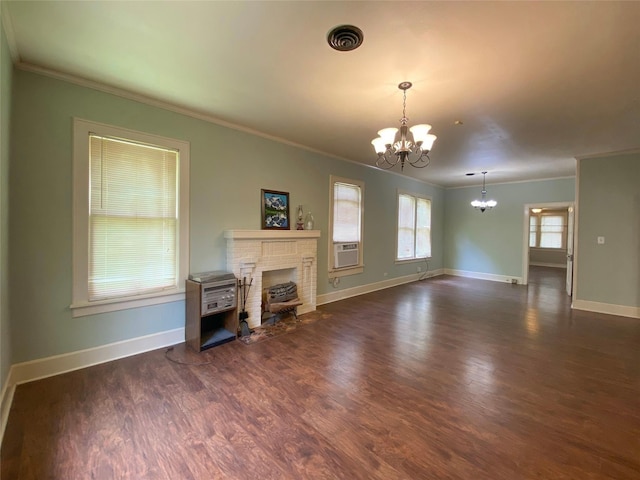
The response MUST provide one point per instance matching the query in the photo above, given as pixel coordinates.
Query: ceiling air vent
(345, 38)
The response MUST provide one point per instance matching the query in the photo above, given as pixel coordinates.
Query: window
(345, 238)
(548, 230)
(414, 227)
(130, 218)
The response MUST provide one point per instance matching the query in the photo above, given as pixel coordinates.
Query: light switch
(600, 240)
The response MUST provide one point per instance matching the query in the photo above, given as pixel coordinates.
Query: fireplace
(274, 256)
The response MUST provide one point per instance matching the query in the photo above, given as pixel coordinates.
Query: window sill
(412, 260)
(82, 309)
(343, 272)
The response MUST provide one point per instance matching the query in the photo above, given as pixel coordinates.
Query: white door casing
(570, 220)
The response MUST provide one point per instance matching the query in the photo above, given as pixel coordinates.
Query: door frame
(525, 230)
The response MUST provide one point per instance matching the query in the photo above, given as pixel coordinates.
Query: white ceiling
(535, 84)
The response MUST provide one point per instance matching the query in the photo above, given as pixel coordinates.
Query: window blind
(414, 227)
(133, 218)
(406, 226)
(423, 228)
(533, 231)
(551, 231)
(346, 212)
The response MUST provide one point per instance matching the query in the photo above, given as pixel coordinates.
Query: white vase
(308, 221)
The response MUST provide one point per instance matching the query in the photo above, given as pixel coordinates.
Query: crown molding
(609, 154)
(515, 181)
(154, 102)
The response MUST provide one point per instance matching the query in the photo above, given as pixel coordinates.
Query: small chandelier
(417, 143)
(483, 204)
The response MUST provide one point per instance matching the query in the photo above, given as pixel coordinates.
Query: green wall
(6, 73)
(609, 206)
(492, 242)
(228, 169)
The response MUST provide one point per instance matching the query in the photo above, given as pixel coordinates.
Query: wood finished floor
(448, 378)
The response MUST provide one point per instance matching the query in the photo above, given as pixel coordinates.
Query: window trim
(356, 269)
(80, 305)
(401, 261)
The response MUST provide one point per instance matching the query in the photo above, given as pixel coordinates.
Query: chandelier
(393, 147)
(483, 204)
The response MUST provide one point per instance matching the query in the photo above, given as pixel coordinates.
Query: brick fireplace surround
(250, 253)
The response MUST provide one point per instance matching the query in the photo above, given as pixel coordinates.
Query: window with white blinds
(130, 218)
(552, 231)
(548, 230)
(347, 202)
(414, 227)
(133, 218)
(345, 225)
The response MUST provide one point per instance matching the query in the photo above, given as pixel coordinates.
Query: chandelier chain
(404, 104)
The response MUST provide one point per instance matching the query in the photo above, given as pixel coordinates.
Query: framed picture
(275, 210)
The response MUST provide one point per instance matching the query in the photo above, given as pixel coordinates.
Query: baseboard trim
(483, 276)
(67, 362)
(373, 287)
(607, 308)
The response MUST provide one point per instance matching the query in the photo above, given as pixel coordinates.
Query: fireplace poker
(244, 326)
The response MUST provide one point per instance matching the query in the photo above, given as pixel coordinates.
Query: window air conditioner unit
(346, 254)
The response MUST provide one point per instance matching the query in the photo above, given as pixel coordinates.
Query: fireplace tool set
(243, 288)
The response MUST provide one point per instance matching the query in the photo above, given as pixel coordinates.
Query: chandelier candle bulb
(388, 135)
(379, 145)
(420, 133)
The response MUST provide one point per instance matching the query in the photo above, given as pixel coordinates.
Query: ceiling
(535, 84)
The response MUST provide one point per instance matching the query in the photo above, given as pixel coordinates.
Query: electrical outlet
(386, 274)
(419, 269)
(600, 240)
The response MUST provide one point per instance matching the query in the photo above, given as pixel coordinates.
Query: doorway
(548, 243)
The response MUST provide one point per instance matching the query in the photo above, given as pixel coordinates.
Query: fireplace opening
(278, 300)
(280, 275)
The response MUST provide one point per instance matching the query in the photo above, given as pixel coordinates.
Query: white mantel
(252, 252)
(270, 234)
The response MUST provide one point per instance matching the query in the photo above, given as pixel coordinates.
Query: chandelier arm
(420, 160)
(383, 161)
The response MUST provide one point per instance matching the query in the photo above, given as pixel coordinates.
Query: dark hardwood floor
(447, 378)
